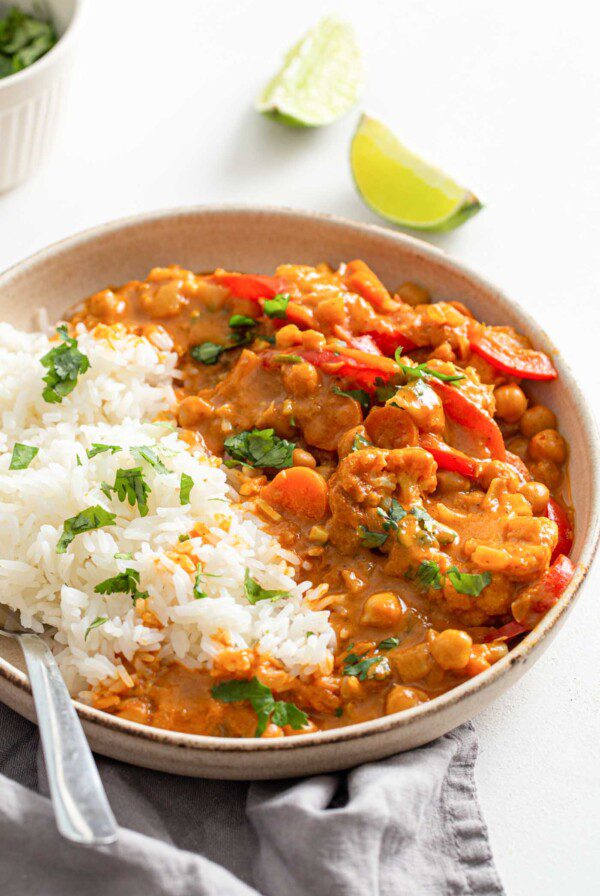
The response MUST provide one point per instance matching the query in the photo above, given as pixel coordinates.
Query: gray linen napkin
(406, 825)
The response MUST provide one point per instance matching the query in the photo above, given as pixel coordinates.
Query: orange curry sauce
(425, 492)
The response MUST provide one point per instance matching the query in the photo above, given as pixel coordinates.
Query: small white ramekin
(31, 100)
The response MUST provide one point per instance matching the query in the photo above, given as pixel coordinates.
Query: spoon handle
(80, 805)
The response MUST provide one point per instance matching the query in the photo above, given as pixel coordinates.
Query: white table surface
(506, 97)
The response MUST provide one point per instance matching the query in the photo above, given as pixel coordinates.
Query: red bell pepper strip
(557, 514)
(553, 583)
(363, 343)
(505, 632)
(252, 286)
(389, 342)
(448, 458)
(506, 354)
(360, 368)
(464, 411)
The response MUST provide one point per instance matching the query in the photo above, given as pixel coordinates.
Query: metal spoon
(81, 807)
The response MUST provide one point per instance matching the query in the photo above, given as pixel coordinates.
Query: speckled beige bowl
(257, 240)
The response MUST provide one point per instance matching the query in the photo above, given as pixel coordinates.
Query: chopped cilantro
(392, 516)
(184, 538)
(123, 583)
(130, 485)
(422, 370)
(241, 320)
(255, 592)
(186, 486)
(147, 453)
(277, 306)
(99, 620)
(469, 583)
(22, 455)
(91, 518)
(339, 712)
(64, 364)
(370, 539)
(428, 575)
(198, 591)
(359, 665)
(288, 359)
(260, 448)
(207, 352)
(23, 39)
(99, 448)
(359, 441)
(262, 702)
(384, 391)
(359, 395)
(120, 555)
(388, 644)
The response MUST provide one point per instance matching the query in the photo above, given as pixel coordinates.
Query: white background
(504, 96)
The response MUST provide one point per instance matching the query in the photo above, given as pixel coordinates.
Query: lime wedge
(320, 80)
(401, 187)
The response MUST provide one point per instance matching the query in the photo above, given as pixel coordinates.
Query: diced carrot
(360, 278)
(300, 490)
(476, 665)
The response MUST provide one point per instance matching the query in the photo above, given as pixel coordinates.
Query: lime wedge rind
(401, 187)
(321, 78)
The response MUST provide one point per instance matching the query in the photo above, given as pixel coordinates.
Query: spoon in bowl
(81, 807)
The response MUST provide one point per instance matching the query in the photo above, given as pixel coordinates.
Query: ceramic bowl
(256, 240)
(31, 100)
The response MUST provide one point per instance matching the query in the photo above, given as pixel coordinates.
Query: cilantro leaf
(99, 448)
(123, 583)
(23, 39)
(370, 539)
(469, 583)
(360, 395)
(120, 555)
(99, 620)
(91, 518)
(287, 359)
(255, 592)
(391, 517)
(197, 590)
(388, 644)
(130, 485)
(384, 391)
(277, 306)
(207, 352)
(147, 453)
(241, 320)
(64, 364)
(186, 486)
(260, 448)
(359, 441)
(428, 575)
(263, 703)
(422, 370)
(360, 665)
(22, 455)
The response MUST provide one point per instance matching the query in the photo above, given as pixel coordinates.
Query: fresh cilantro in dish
(198, 591)
(360, 666)
(469, 583)
(64, 364)
(428, 575)
(371, 539)
(147, 453)
(98, 621)
(185, 487)
(207, 352)
(23, 39)
(130, 485)
(287, 359)
(391, 517)
(238, 321)
(277, 306)
(260, 448)
(384, 391)
(123, 583)
(91, 518)
(99, 448)
(359, 441)
(22, 455)
(360, 395)
(255, 592)
(388, 644)
(263, 703)
(422, 370)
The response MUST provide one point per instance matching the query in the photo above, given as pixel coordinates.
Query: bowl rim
(383, 724)
(64, 39)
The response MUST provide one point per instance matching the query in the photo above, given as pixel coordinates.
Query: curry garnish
(240, 321)
(360, 666)
(359, 442)
(263, 703)
(287, 359)
(467, 582)
(360, 395)
(388, 644)
(428, 575)
(91, 518)
(277, 306)
(22, 455)
(99, 448)
(185, 488)
(130, 485)
(147, 453)
(98, 621)
(198, 591)
(123, 583)
(207, 352)
(23, 39)
(255, 592)
(64, 364)
(260, 448)
(421, 370)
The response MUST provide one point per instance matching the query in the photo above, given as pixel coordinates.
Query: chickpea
(452, 482)
(519, 446)
(288, 336)
(511, 402)
(401, 698)
(192, 410)
(381, 610)
(300, 380)
(537, 494)
(166, 301)
(548, 445)
(452, 649)
(413, 663)
(302, 458)
(312, 339)
(546, 471)
(413, 294)
(536, 419)
(106, 304)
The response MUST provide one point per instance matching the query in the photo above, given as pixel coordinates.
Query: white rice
(129, 382)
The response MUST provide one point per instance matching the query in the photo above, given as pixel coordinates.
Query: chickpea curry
(387, 440)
